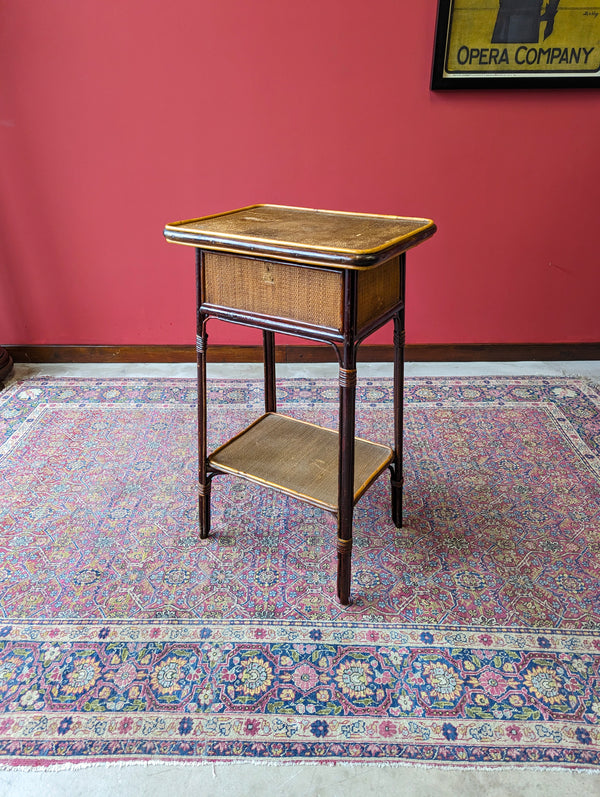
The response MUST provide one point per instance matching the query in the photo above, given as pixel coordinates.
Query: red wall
(117, 116)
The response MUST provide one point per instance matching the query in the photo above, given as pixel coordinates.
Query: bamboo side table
(327, 276)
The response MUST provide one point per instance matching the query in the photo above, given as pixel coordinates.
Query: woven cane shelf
(298, 459)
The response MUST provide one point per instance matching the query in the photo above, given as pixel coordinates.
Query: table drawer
(268, 288)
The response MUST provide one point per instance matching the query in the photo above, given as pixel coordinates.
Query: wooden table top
(304, 235)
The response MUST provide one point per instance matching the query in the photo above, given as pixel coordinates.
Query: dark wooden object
(327, 276)
(6, 366)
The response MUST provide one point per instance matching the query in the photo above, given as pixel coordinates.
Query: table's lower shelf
(299, 459)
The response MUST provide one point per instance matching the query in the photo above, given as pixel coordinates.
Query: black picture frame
(509, 62)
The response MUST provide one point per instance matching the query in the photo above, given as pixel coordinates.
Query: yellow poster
(522, 37)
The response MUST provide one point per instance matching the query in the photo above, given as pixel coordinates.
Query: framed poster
(517, 43)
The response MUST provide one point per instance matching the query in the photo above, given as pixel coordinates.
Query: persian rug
(472, 639)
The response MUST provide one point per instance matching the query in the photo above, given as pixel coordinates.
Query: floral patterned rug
(472, 638)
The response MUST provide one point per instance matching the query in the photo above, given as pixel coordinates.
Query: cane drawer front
(269, 288)
(379, 290)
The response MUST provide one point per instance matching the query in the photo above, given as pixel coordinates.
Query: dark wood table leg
(347, 414)
(397, 480)
(346, 482)
(203, 478)
(269, 361)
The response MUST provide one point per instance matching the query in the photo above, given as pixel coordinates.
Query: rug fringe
(72, 766)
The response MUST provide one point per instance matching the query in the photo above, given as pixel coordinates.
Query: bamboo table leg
(346, 481)
(269, 361)
(397, 480)
(203, 479)
(347, 415)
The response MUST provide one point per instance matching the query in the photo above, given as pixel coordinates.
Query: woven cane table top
(304, 235)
